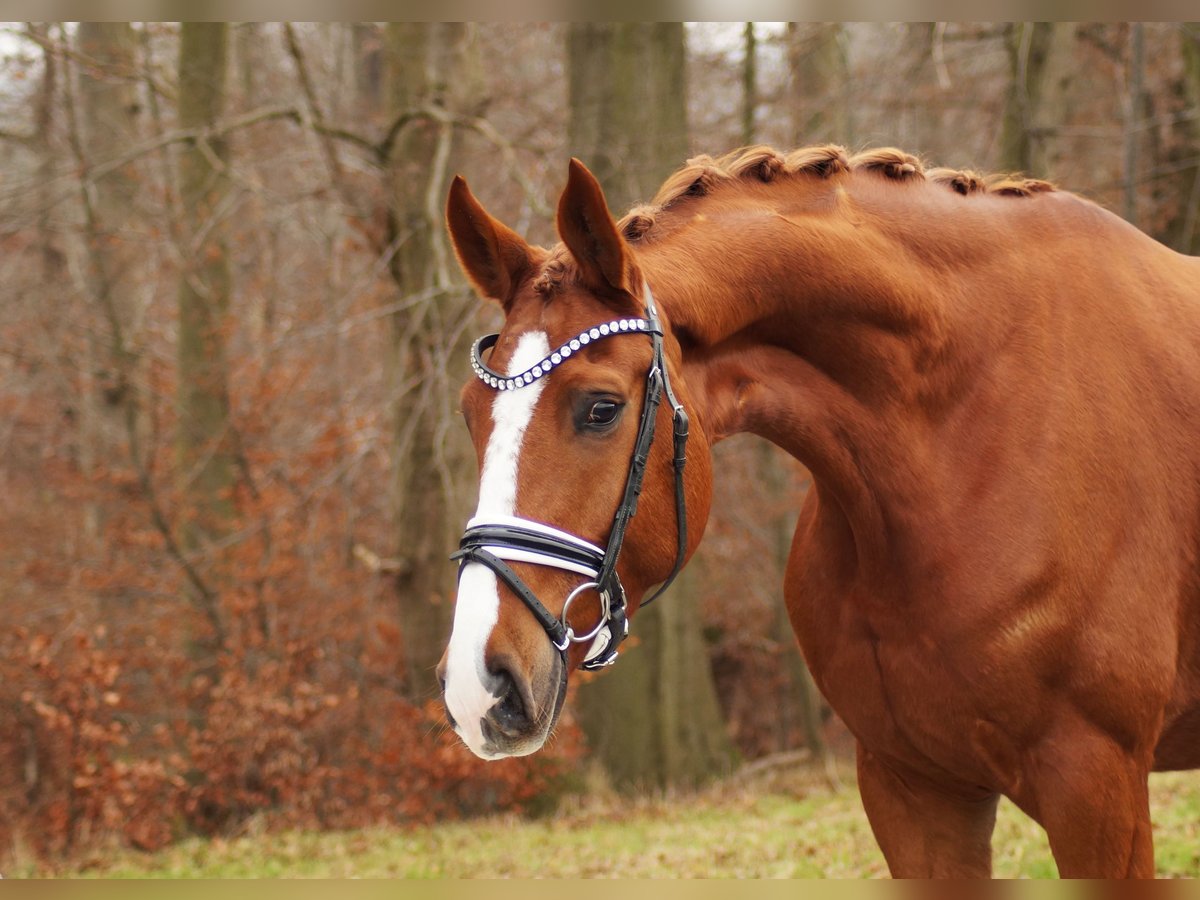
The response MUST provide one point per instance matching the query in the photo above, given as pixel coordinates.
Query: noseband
(492, 541)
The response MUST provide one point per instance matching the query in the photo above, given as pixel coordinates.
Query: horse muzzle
(510, 711)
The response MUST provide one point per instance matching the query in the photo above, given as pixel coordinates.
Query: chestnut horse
(996, 388)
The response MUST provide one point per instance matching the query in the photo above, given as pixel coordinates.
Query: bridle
(492, 541)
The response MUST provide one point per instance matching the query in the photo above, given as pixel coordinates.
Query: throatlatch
(491, 541)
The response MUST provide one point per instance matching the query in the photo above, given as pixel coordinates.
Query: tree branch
(380, 152)
(314, 118)
(85, 62)
(17, 137)
(478, 124)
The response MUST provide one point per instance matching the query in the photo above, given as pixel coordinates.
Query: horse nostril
(510, 715)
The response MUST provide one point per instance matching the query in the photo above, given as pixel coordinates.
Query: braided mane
(704, 175)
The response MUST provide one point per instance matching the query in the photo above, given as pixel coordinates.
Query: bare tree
(818, 75)
(1134, 109)
(749, 82)
(1028, 44)
(654, 718)
(1183, 229)
(367, 52)
(426, 66)
(205, 443)
(104, 125)
(628, 118)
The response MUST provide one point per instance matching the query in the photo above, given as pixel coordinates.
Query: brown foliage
(119, 729)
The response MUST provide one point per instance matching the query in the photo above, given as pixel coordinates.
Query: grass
(792, 825)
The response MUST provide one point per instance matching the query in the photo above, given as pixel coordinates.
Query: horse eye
(603, 413)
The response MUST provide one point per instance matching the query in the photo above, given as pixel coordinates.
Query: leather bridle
(494, 540)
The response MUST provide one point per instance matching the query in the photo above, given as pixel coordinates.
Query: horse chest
(898, 687)
(869, 674)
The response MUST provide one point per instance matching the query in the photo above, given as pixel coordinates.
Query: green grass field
(792, 825)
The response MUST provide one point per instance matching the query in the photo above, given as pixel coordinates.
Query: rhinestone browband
(502, 382)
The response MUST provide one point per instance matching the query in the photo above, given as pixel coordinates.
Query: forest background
(232, 336)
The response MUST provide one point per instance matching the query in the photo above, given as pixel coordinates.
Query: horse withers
(996, 388)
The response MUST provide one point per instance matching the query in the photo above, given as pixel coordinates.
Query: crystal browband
(502, 382)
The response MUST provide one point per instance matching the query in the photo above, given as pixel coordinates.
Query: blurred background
(232, 336)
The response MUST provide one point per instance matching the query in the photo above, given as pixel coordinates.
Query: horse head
(578, 412)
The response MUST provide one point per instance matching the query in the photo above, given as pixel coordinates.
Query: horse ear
(494, 257)
(587, 228)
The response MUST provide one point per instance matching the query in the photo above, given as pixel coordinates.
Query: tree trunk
(818, 76)
(366, 53)
(205, 447)
(45, 104)
(105, 127)
(250, 63)
(108, 95)
(1134, 109)
(1183, 229)
(1028, 46)
(774, 473)
(749, 83)
(1065, 86)
(653, 719)
(426, 65)
(628, 116)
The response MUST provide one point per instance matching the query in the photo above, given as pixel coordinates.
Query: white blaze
(478, 604)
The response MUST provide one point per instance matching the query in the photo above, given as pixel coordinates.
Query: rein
(492, 541)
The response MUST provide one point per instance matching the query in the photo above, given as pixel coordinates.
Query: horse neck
(832, 338)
